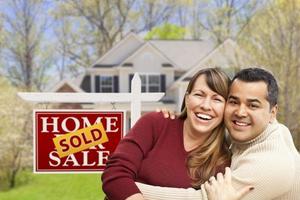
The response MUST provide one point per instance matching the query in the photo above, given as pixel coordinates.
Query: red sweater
(152, 153)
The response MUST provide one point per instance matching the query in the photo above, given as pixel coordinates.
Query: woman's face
(205, 108)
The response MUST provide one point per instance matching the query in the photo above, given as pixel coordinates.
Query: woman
(174, 153)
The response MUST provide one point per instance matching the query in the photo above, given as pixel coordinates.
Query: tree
(152, 13)
(167, 32)
(15, 131)
(25, 54)
(87, 29)
(219, 19)
(1, 33)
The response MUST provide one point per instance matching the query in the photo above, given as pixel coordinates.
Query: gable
(65, 88)
(120, 51)
(149, 59)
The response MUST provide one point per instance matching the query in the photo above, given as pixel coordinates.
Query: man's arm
(271, 173)
(166, 193)
(269, 180)
(269, 167)
(220, 188)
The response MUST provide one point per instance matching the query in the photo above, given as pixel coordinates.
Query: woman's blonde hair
(204, 161)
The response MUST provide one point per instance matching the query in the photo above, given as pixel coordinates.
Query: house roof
(129, 44)
(182, 54)
(68, 83)
(212, 54)
(185, 53)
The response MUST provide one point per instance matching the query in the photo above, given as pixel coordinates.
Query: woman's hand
(167, 113)
(137, 196)
(222, 189)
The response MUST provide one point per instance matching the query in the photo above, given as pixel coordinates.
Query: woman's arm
(122, 166)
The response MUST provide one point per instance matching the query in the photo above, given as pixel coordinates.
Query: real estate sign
(75, 140)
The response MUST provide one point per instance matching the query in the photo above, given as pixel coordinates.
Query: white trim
(65, 97)
(135, 97)
(34, 141)
(68, 171)
(93, 82)
(100, 70)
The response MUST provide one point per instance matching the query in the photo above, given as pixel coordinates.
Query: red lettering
(72, 141)
(63, 144)
(94, 134)
(86, 141)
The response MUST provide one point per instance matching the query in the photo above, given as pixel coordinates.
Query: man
(264, 154)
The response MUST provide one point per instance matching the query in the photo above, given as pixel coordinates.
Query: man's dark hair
(258, 74)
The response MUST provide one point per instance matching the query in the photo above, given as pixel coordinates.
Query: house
(163, 66)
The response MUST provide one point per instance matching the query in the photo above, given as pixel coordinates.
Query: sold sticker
(80, 140)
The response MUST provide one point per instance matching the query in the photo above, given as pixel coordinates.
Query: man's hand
(167, 113)
(221, 188)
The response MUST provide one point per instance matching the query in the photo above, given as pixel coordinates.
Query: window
(154, 83)
(104, 84)
(150, 83)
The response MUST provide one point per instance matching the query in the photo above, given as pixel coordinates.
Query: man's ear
(274, 110)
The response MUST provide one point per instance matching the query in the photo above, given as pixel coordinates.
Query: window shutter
(97, 83)
(116, 84)
(86, 83)
(130, 78)
(163, 83)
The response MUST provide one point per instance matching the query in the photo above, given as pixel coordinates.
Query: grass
(55, 186)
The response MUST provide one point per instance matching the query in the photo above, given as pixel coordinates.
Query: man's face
(247, 111)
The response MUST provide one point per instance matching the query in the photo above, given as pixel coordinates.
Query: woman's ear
(186, 99)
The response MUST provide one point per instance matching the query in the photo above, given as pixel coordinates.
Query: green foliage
(8, 102)
(55, 186)
(15, 131)
(166, 32)
(13, 110)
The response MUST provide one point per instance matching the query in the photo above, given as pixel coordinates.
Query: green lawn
(56, 186)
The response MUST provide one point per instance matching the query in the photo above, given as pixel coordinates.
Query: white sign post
(136, 97)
